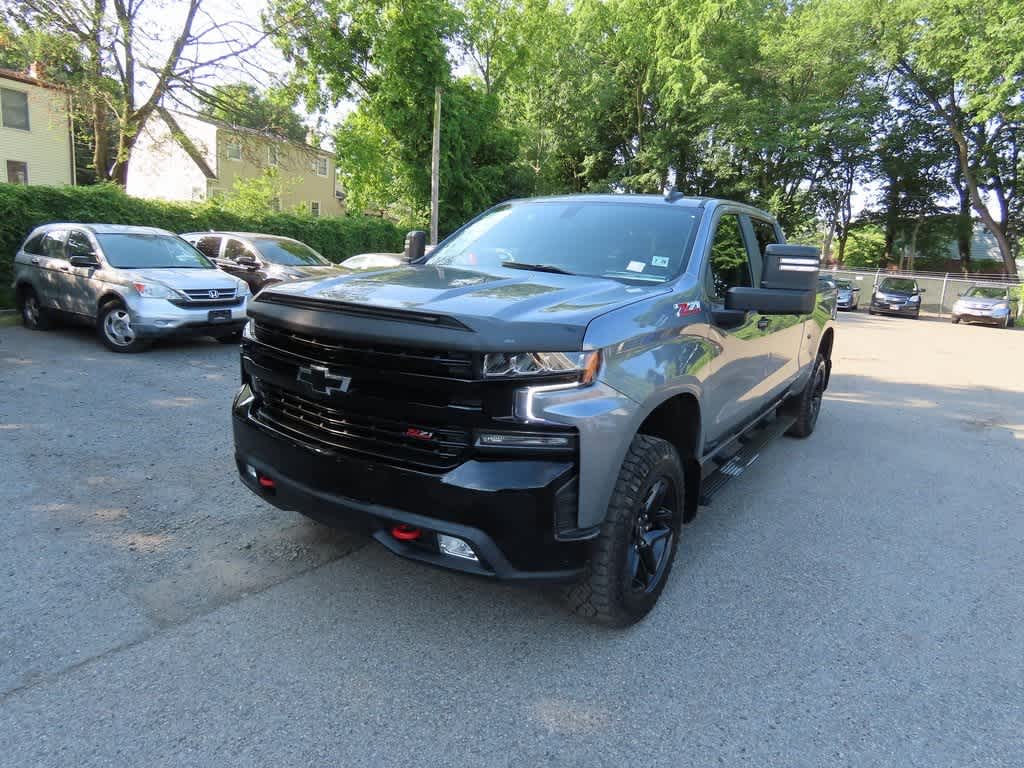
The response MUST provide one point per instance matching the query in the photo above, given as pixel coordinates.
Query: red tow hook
(406, 532)
(265, 482)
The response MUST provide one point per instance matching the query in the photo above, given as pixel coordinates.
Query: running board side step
(732, 467)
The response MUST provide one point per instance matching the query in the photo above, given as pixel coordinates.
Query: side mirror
(415, 245)
(788, 286)
(246, 260)
(921, 290)
(85, 260)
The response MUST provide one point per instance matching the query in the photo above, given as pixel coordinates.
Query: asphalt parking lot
(856, 599)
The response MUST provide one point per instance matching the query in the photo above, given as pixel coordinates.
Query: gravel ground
(856, 599)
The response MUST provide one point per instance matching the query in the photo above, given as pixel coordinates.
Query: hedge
(25, 207)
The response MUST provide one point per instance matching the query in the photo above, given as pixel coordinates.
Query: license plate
(219, 315)
(894, 306)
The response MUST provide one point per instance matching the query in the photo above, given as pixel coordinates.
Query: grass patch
(9, 318)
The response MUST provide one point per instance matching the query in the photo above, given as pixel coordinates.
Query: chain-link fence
(941, 289)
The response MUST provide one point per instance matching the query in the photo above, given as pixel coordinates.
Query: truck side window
(729, 262)
(765, 233)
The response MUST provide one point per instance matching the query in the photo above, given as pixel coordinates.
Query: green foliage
(22, 208)
(242, 104)
(252, 198)
(865, 247)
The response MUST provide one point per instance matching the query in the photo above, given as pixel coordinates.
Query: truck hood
(504, 310)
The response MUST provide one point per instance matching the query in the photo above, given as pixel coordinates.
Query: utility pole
(435, 167)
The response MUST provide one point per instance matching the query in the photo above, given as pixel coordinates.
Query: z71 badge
(687, 308)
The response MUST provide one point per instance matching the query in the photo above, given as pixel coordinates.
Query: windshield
(986, 292)
(899, 285)
(627, 241)
(139, 251)
(844, 285)
(290, 253)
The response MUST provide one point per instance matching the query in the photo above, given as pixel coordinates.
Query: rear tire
(114, 326)
(1008, 322)
(631, 559)
(33, 315)
(955, 319)
(808, 402)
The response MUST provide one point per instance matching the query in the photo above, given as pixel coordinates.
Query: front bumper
(902, 310)
(505, 509)
(977, 315)
(159, 317)
(842, 303)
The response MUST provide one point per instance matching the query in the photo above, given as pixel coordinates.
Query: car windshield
(845, 285)
(986, 292)
(899, 285)
(290, 253)
(624, 241)
(150, 251)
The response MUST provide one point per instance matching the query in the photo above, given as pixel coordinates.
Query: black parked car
(262, 260)
(896, 296)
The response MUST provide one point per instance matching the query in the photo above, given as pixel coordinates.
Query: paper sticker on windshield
(659, 261)
(688, 308)
(635, 266)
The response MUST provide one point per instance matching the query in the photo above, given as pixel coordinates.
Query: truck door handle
(65, 268)
(763, 323)
(35, 261)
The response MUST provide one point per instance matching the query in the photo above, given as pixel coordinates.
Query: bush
(22, 208)
(864, 247)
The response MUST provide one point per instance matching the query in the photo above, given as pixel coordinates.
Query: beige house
(35, 131)
(186, 158)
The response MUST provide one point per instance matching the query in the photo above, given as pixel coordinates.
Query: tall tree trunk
(826, 243)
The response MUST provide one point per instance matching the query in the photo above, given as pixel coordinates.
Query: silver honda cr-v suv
(133, 283)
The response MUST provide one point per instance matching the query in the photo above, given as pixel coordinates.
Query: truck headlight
(155, 291)
(914, 299)
(242, 289)
(505, 365)
(1002, 308)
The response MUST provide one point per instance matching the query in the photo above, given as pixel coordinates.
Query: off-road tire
(603, 593)
(33, 315)
(808, 403)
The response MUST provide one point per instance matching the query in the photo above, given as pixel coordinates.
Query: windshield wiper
(537, 268)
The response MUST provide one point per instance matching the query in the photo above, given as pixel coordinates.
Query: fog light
(455, 547)
(250, 470)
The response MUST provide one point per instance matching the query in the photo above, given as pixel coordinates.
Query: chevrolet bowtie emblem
(322, 381)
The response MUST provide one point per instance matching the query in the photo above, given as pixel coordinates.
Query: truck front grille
(395, 441)
(381, 357)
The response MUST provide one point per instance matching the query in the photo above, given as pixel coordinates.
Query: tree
(131, 61)
(242, 104)
(962, 60)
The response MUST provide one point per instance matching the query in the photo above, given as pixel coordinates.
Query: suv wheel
(955, 319)
(235, 337)
(114, 326)
(808, 402)
(632, 557)
(33, 316)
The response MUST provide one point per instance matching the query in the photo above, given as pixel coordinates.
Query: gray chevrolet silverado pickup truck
(549, 395)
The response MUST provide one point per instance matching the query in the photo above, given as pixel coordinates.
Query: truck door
(784, 333)
(735, 389)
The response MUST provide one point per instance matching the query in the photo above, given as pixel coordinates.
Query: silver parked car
(849, 295)
(133, 283)
(988, 304)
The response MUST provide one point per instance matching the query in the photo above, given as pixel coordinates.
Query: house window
(234, 150)
(17, 172)
(14, 106)
(320, 166)
(314, 209)
(273, 154)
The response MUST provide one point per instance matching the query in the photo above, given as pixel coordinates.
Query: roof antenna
(672, 194)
